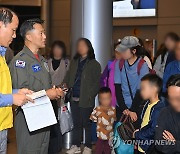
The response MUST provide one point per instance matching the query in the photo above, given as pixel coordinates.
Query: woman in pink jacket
(107, 78)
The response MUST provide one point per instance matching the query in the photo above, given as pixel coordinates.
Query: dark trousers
(81, 121)
(102, 147)
(55, 143)
(36, 142)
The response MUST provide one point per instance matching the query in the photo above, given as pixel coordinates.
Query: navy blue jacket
(171, 69)
(148, 132)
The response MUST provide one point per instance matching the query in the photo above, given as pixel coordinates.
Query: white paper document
(39, 114)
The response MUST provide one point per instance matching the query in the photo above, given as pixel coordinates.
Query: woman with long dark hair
(58, 62)
(58, 66)
(84, 78)
(167, 53)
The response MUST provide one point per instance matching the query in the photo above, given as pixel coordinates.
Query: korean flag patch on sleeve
(20, 64)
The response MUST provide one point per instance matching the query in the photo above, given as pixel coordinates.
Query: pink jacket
(107, 79)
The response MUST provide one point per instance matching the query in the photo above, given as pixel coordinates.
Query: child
(151, 86)
(104, 115)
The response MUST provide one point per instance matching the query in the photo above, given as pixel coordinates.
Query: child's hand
(133, 116)
(135, 132)
(126, 112)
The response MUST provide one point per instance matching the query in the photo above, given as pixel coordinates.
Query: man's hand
(168, 136)
(133, 116)
(25, 91)
(60, 92)
(21, 99)
(55, 93)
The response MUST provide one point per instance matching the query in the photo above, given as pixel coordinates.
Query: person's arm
(15, 91)
(118, 88)
(157, 67)
(104, 77)
(120, 98)
(96, 75)
(19, 75)
(6, 100)
(162, 125)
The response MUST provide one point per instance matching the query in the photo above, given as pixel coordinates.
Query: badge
(36, 68)
(20, 64)
(46, 66)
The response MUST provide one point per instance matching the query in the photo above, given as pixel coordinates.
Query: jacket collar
(162, 103)
(2, 51)
(27, 51)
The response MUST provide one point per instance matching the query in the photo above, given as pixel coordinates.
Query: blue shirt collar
(2, 51)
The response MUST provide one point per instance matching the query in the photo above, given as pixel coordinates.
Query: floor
(12, 143)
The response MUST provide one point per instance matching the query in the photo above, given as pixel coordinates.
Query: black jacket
(168, 120)
(90, 81)
(148, 132)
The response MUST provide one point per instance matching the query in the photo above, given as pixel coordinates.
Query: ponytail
(140, 51)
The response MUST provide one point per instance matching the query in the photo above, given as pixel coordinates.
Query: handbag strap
(125, 117)
(130, 90)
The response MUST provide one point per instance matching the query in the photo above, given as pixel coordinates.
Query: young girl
(128, 74)
(104, 115)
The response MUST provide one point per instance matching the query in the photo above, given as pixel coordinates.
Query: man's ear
(28, 37)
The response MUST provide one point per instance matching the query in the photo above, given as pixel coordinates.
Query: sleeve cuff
(7, 100)
(15, 91)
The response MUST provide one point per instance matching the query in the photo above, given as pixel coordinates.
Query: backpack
(119, 146)
(140, 64)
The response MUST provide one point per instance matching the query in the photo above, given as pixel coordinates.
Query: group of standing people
(30, 72)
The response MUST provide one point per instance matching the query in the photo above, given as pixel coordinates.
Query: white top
(159, 67)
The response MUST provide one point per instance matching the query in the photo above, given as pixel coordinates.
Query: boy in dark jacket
(151, 86)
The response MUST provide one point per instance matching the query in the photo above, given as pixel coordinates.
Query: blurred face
(117, 55)
(57, 51)
(178, 51)
(8, 31)
(127, 54)
(147, 90)
(82, 48)
(170, 44)
(174, 97)
(37, 36)
(105, 99)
